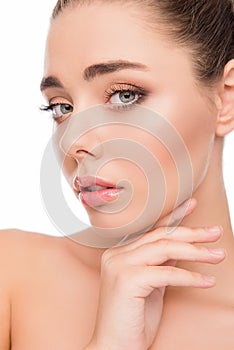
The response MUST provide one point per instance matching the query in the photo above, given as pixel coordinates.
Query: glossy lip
(99, 197)
(79, 183)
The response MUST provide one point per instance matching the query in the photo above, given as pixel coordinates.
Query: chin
(125, 222)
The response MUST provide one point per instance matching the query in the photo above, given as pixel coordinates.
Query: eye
(58, 109)
(124, 97)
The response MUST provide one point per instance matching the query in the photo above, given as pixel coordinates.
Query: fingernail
(209, 279)
(188, 202)
(188, 205)
(214, 229)
(219, 252)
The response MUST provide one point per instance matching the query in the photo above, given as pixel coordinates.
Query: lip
(79, 183)
(98, 197)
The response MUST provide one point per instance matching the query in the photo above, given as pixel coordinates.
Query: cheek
(69, 168)
(198, 132)
(194, 119)
(193, 122)
(200, 145)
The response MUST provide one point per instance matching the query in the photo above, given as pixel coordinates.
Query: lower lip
(100, 197)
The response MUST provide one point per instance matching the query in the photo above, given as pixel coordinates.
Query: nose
(87, 145)
(78, 152)
(80, 136)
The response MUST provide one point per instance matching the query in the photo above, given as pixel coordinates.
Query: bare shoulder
(14, 249)
(18, 246)
(26, 254)
(37, 271)
(25, 249)
(29, 257)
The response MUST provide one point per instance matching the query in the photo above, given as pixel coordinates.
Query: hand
(133, 281)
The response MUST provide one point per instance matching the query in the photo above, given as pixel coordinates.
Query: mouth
(94, 191)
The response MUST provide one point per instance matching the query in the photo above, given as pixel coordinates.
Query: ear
(225, 122)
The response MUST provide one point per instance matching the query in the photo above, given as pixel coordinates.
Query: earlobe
(225, 122)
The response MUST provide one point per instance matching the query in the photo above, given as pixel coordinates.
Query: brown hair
(205, 27)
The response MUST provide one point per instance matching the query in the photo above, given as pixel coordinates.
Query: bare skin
(54, 298)
(49, 286)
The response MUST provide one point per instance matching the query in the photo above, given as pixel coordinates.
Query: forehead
(86, 35)
(98, 33)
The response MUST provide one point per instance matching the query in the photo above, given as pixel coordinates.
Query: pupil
(65, 108)
(126, 96)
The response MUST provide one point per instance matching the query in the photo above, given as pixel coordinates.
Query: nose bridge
(79, 139)
(83, 133)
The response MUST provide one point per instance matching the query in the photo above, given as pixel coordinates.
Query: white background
(24, 131)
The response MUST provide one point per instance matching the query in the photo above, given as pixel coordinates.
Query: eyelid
(142, 93)
(116, 87)
(52, 105)
(59, 100)
(49, 108)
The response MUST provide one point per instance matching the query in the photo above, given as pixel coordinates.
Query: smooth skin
(49, 286)
(44, 304)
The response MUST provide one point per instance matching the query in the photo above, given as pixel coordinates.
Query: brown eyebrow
(95, 70)
(50, 82)
(112, 66)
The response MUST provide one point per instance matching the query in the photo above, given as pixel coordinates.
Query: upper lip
(80, 183)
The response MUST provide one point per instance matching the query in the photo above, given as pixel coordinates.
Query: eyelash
(118, 88)
(50, 108)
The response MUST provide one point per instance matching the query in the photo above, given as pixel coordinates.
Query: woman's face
(162, 81)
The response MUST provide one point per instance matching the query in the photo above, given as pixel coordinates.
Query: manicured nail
(214, 229)
(209, 280)
(219, 252)
(189, 202)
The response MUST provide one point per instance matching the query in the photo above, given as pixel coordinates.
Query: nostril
(84, 152)
(81, 150)
(78, 154)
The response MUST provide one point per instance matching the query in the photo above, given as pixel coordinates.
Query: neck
(212, 209)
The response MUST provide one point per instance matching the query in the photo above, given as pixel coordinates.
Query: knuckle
(117, 273)
(149, 234)
(201, 249)
(187, 230)
(110, 264)
(169, 270)
(108, 253)
(113, 264)
(164, 243)
(105, 256)
(195, 275)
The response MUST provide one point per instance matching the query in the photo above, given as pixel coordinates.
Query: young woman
(159, 291)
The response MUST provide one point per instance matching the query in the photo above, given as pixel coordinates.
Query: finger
(158, 253)
(186, 208)
(170, 262)
(162, 276)
(180, 233)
